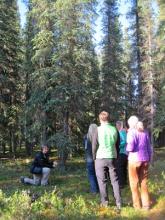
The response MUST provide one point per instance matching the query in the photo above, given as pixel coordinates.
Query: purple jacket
(138, 146)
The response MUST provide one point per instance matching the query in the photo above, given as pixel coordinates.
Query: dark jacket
(41, 160)
(88, 149)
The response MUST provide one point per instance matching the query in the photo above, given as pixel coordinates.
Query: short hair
(120, 123)
(132, 121)
(140, 126)
(44, 145)
(104, 116)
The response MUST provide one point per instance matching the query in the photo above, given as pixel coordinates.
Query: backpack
(35, 170)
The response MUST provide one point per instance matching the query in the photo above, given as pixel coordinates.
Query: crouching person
(40, 168)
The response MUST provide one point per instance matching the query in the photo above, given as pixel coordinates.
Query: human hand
(55, 163)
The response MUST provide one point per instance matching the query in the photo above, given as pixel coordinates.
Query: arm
(42, 161)
(85, 142)
(117, 143)
(47, 162)
(94, 144)
(130, 141)
(37, 160)
(122, 139)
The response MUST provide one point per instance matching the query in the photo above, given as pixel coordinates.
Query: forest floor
(68, 197)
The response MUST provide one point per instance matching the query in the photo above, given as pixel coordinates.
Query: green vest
(107, 137)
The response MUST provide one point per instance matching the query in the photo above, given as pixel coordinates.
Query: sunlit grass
(68, 197)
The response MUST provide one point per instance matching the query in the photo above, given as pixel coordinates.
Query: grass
(67, 195)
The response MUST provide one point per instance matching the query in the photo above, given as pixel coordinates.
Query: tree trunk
(44, 131)
(63, 153)
(138, 56)
(3, 148)
(29, 148)
(66, 122)
(12, 144)
(151, 85)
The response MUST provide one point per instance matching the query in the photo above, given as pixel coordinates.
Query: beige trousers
(138, 176)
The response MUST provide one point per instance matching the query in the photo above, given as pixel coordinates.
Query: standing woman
(140, 153)
(89, 159)
(122, 160)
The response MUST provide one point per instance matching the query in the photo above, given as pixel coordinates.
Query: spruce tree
(62, 71)
(143, 74)
(38, 68)
(135, 67)
(10, 59)
(112, 67)
(129, 87)
(75, 61)
(159, 68)
(28, 67)
(146, 22)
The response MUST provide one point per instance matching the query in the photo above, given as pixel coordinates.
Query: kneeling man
(40, 168)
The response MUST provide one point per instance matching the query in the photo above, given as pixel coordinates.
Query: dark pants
(102, 166)
(92, 177)
(122, 163)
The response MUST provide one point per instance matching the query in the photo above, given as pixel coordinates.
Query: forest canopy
(54, 82)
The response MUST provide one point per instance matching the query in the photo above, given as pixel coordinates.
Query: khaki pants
(138, 176)
(39, 179)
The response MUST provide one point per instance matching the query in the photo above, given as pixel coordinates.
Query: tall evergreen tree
(29, 33)
(74, 60)
(142, 41)
(112, 68)
(135, 67)
(10, 59)
(39, 47)
(146, 63)
(159, 68)
(129, 87)
(62, 71)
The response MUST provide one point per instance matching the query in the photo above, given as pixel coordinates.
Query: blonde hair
(104, 116)
(140, 126)
(91, 131)
(132, 121)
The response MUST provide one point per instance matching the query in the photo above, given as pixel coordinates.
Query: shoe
(146, 208)
(121, 186)
(105, 204)
(118, 208)
(34, 197)
(22, 179)
(44, 184)
(94, 193)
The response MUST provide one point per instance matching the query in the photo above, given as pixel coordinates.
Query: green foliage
(64, 81)
(112, 71)
(64, 145)
(147, 76)
(128, 87)
(11, 89)
(51, 80)
(159, 68)
(67, 196)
